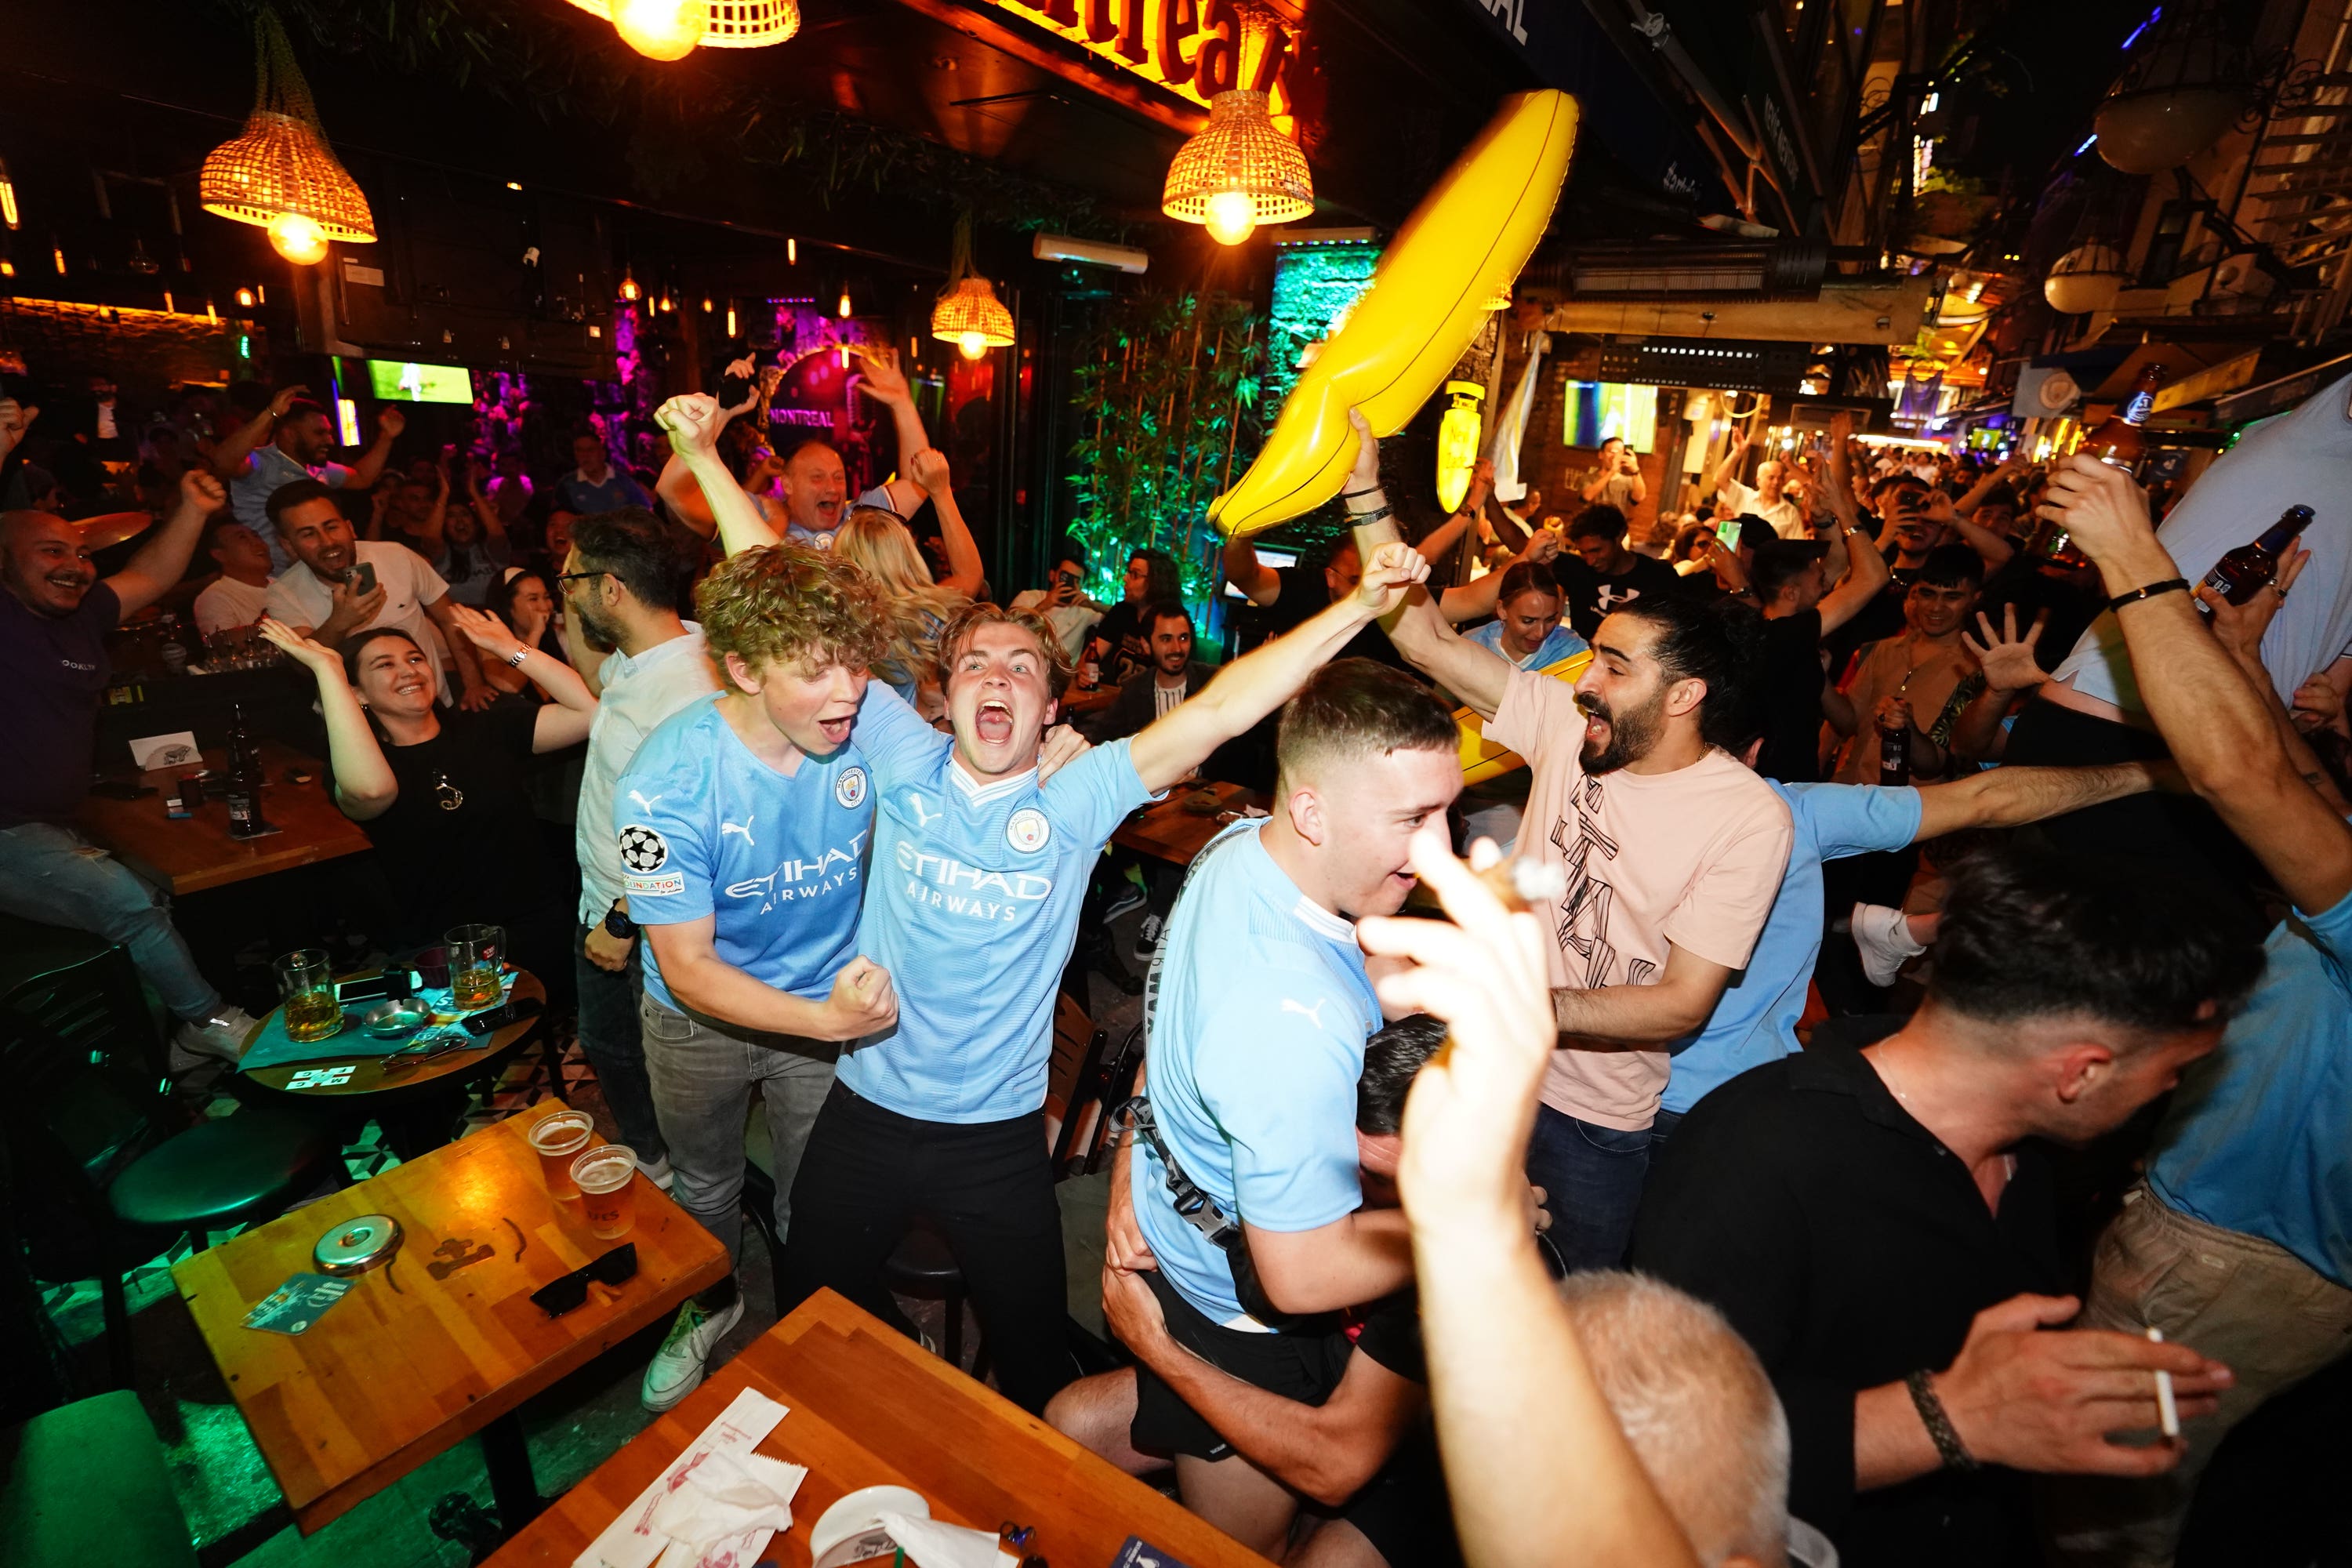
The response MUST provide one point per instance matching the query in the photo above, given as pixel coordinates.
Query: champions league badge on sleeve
(1028, 830)
(644, 852)
(849, 790)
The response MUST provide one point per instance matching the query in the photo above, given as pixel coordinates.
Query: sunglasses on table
(558, 1297)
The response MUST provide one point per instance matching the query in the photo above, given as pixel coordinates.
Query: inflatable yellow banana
(1482, 759)
(1466, 240)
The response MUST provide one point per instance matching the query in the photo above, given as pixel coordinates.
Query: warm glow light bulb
(661, 29)
(1233, 216)
(972, 345)
(298, 238)
(791, 252)
(845, 304)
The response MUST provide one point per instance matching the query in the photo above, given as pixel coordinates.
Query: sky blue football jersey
(706, 827)
(972, 906)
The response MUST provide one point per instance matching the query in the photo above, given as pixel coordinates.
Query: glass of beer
(474, 954)
(607, 1190)
(308, 987)
(558, 1140)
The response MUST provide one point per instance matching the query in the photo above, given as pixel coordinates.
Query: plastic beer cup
(607, 1178)
(559, 1140)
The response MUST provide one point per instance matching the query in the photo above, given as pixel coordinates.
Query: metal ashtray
(358, 1244)
(401, 1015)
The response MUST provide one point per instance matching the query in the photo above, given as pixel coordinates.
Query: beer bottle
(2118, 442)
(244, 820)
(1894, 753)
(2240, 575)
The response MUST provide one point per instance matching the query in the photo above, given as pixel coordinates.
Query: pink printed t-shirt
(1692, 857)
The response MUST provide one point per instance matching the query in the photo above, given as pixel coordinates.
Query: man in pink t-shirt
(1672, 849)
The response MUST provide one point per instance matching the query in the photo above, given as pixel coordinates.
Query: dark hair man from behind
(1816, 1201)
(1393, 1057)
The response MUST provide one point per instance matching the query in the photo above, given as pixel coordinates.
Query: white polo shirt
(638, 694)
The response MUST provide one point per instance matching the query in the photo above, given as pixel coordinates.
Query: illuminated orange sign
(1194, 49)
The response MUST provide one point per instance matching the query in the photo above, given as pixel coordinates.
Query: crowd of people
(1770, 1166)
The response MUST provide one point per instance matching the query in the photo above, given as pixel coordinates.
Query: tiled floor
(234, 1512)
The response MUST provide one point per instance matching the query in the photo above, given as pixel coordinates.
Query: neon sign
(1194, 49)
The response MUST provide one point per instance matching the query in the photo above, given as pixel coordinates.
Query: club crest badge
(1028, 830)
(849, 789)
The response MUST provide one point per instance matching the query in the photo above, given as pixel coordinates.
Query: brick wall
(146, 352)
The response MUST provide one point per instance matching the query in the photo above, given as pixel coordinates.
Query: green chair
(87, 1483)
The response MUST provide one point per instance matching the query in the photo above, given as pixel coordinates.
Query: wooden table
(868, 1407)
(376, 1075)
(441, 1342)
(188, 855)
(1172, 833)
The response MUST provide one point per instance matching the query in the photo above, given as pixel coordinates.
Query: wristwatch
(618, 924)
(522, 652)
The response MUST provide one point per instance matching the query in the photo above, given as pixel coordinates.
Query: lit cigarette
(2168, 1413)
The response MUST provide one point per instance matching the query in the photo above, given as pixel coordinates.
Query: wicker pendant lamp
(1239, 171)
(968, 313)
(279, 171)
(670, 29)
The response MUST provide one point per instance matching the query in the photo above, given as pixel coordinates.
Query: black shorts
(1303, 1367)
(1402, 1511)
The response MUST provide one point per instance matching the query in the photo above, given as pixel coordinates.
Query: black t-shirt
(460, 844)
(1388, 1330)
(1304, 596)
(54, 668)
(1790, 673)
(1131, 643)
(1874, 622)
(1591, 595)
(1851, 1248)
(2022, 583)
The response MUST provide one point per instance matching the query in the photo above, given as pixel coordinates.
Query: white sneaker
(220, 1038)
(658, 1173)
(1884, 938)
(676, 1368)
(1147, 940)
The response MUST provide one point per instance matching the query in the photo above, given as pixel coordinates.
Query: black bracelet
(1352, 495)
(1365, 519)
(2171, 585)
(1949, 1446)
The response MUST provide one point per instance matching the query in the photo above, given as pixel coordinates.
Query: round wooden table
(390, 1090)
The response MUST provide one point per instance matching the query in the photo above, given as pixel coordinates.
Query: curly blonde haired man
(743, 823)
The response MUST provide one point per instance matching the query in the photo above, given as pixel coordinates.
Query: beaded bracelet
(1949, 1446)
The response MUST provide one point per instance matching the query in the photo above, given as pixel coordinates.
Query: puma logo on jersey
(1313, 1016)
(744, 827)
(643, 803)
(923, 817)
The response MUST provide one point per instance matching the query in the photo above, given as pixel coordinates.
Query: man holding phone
(341, 585)
(1063, 600)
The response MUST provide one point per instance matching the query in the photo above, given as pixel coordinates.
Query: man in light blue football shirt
(743, 825)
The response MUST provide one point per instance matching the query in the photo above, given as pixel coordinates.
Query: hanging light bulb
(661, 29)
(844, 356)
(1233, 217)
(8, 214)
(968, 313)
(7, 268)
(1239, 171)
(299, 238)
(279, 171)
(706, 304)
(245, 298)
(844, 302)
(261, 293)
(972, 345)
(730, 319)
(629, 289)
(791, 252)
(58, 255)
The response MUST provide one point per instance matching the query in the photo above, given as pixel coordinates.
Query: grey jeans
(56, 875)
(702, 1074)
(2252, 1305)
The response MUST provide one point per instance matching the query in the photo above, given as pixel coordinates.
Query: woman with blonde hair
(878, 540)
